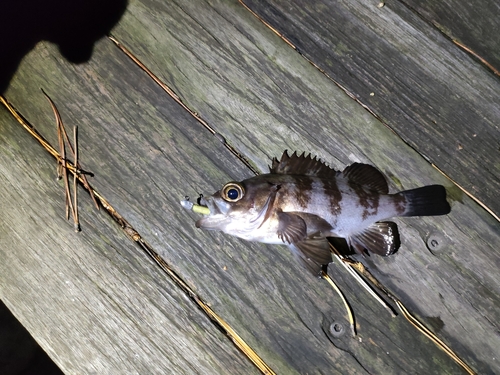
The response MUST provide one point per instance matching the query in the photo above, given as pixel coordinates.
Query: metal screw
(436, 242)
(333, 329)
(337, 329)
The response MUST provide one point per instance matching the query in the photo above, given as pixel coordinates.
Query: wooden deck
(392, 86)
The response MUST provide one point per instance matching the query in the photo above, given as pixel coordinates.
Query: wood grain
(148, 153)
(472, 24)
(92, 300)
(433, 94)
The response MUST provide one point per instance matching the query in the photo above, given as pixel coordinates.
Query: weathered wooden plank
(263, 97)
(93, 301)
(435, 96)
(473, 24)
(113, 152)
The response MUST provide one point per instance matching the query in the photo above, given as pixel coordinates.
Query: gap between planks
(354, 264)
(135, 236)
(372, 112)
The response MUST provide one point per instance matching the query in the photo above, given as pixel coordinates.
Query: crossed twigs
(64, 166)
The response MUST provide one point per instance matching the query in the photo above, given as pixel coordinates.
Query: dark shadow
(341, 245)
(19, 352)
(73, 25)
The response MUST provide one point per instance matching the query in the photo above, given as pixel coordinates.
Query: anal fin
(381, 238)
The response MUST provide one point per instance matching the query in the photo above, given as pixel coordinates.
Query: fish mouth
(211, 205)
(222, 216)
(215, 220)
(212, 222)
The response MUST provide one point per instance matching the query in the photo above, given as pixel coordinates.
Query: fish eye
(232, 192)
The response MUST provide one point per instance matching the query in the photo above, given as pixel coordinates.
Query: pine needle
(350, 314)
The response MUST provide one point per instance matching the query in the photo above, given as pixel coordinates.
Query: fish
(302, 202)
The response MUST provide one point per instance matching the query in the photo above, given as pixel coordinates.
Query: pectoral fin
(292, 228)
(381, 238)
(312, 253)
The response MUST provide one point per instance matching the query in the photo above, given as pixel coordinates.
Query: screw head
(337, 329)
(436, 242)
(333, 329)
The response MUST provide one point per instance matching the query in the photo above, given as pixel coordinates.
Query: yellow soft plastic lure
(188, 205)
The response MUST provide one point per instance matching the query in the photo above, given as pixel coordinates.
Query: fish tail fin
(381, 238)
(426, 201)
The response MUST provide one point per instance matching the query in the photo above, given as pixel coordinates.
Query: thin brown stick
(473, 53)
(62, 163)
(65, 137)
(427, 332)
(148, 249)
(67, 192)
(360, 268)
(75, 182)
(62, 132)
(60, 142)
(61, 167)
(62, 145)
(179, 101)
(345, 262)
(350, 314)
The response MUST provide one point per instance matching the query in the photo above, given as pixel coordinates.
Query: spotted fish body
(302, 201)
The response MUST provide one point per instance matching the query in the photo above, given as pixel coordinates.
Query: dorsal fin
(367, 176)
(304, 165)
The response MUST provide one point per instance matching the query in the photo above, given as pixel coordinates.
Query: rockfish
(302, 201)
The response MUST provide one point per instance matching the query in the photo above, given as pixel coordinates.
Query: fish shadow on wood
(74, 26)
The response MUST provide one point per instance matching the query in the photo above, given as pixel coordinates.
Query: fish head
(239, 208)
